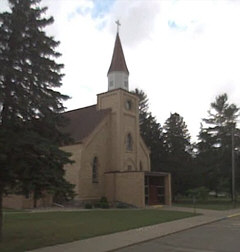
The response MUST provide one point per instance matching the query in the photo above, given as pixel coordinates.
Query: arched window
(95, 170)
(129, 142)
(128, 105)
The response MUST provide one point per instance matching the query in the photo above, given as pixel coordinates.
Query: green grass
(12, 210)
(212, 204)
(26, 231)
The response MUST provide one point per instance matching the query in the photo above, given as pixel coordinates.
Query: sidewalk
(126, 238)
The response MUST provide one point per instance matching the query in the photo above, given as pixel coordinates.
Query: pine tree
(215, 144)
(178, 158)
(30, 105)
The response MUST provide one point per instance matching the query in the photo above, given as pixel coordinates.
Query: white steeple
(118, 71)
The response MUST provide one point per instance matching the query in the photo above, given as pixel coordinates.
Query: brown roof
(83, 121)
(118, 61)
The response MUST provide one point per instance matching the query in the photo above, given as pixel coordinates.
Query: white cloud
(4, 5)
(181, 70)
(137, 18)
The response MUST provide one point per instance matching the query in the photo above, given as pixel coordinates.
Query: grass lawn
(25, 231)
(212, 204)
(12, 210)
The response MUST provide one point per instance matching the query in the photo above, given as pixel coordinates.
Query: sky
(181, 53)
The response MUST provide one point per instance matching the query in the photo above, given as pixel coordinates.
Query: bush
(103, 203)
(103, 200)
(121, 205)
(199, 193)
(97, 204)
(88, 206)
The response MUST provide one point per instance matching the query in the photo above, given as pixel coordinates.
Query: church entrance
(154, 189)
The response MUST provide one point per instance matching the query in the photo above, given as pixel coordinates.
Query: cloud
(4, 5)
(180, 71)
(137, 19)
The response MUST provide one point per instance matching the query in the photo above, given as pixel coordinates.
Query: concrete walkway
(126, 238)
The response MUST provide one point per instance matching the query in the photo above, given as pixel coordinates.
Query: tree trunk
(1, 215)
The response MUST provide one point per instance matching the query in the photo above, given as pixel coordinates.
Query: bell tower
(118, 72)
(124, 122)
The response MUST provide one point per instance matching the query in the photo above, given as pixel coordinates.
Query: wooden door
(153, 195)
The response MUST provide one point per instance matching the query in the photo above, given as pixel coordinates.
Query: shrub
(199, 193)
(121, 205)
(104, 205)
(88, 206)
(103, 202)
(97, 204)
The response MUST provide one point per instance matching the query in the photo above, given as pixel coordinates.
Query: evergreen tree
(143, 105)
(178, 160)
(150, 131)
(30, 105)
(176, 136)
(215, 144)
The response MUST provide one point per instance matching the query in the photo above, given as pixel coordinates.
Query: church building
(111, 158)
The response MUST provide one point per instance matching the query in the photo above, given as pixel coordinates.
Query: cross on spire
(118, 24)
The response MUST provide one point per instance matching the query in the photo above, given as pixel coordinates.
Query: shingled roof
(83, 121)
(118, 60)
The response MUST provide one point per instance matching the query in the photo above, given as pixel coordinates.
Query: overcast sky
(181, 53)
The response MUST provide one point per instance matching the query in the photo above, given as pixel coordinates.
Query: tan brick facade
(121, 168)
(21, 202)
(121, 163)
(130, 188)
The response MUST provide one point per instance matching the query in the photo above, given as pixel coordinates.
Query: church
(110, 158)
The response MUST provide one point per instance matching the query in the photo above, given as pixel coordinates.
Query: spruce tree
(30, 105)
(151, 131)
(143, 105)
(178, 159)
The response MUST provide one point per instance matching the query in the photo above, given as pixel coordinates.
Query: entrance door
(153, 195)
(154, 190)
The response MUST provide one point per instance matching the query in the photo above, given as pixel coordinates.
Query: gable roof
(83, 121)
(118, 60)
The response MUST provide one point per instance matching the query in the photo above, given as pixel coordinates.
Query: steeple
(118, 61)
(118, 71)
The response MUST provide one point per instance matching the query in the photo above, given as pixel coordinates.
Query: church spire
(118, 72)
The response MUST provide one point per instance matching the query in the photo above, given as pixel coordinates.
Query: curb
(175, 232)
(233, 215)
(128, 241)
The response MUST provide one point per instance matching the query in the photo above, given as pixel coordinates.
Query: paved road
(222, 236)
